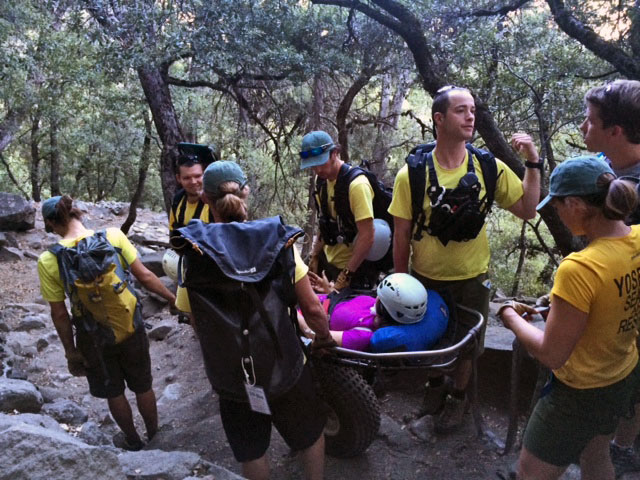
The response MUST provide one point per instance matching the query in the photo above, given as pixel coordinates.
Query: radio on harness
(457, 214)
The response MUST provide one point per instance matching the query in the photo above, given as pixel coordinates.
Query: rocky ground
(405, 447)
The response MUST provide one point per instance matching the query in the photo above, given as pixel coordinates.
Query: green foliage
(260, 66)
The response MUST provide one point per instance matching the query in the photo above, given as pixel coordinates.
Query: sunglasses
(314, 152)
(184, 159)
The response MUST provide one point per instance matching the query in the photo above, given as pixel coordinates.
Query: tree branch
(608, 51)
(13, 179)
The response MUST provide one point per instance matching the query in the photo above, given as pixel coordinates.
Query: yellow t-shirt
(51, 285)
(182, 297)
(458, 260)
(603, 280)
(189, 211)
(361, 204)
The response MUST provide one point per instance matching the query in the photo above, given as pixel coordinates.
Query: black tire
(353, 412)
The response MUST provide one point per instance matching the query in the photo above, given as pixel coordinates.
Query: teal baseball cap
(220, 172)
(576, 177)
(49, 207)
(316, 148)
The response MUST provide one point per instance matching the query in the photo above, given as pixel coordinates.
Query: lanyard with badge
(255, 393)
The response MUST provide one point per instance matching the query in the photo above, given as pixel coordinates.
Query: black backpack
(240, 282)
(466, 219)
(178, 214)
(343, 229)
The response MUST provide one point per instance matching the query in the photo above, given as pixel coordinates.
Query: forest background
(95, 94)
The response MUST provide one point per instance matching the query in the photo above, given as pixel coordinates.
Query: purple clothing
(356, 318)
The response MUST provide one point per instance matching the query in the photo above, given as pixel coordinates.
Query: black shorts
(295, 415)
(112, 366)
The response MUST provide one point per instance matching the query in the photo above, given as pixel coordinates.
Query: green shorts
(566, 419)
(472, 293)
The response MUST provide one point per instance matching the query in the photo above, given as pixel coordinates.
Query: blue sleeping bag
(416, 336)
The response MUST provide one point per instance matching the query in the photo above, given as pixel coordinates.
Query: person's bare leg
(257, 469)
(462, 375)
(149, 411)
(628, 429)
(121, 411)
(595, 463)
(531, 467)
(313, 460)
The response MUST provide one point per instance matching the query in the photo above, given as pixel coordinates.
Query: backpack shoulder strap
(176, 205)
(346, 175)
(199, 208)
(489, 172)
(416, 164)
(320, 197)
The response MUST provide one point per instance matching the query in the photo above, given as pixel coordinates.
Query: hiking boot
(451, 416)
(433, 398)
(120, 441)
(624, 459)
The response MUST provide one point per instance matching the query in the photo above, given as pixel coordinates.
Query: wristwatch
(347, 273)
(537, 165)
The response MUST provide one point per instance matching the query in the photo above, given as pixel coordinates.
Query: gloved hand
(343, 280)
(314, 263)
(520, 308)
(76, 364)
(322, 343)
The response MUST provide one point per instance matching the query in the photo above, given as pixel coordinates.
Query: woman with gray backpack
(243, 280)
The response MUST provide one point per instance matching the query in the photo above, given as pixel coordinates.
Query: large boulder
(16, 214)
(29, 452)
(176, 465)
(19, 395)
(66, 411)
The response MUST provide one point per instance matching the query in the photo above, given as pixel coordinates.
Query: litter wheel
(353, 411)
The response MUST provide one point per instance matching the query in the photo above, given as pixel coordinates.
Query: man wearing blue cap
(612, 126)
(345, 250)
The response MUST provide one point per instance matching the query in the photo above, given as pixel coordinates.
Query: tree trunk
(343, 112)
(143, 167)
(9, 126)
(156, 90)
(314, 123)
(54, 158)
(34, 168)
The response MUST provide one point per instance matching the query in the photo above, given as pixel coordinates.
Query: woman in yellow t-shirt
(295, 413)
(589, 338)
(107, 368)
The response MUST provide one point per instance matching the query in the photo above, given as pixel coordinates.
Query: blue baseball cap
(49, 207)
(220, 172)
(576, 177)
(316, 148)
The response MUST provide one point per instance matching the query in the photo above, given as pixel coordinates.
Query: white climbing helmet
(170, 264)
(381, 240)
(404, 297)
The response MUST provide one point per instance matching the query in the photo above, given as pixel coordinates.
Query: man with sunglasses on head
(456, 265)
(345, 252)
(612, 127)
(186, 204)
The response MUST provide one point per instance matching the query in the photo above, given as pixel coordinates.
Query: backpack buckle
(439, 198)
